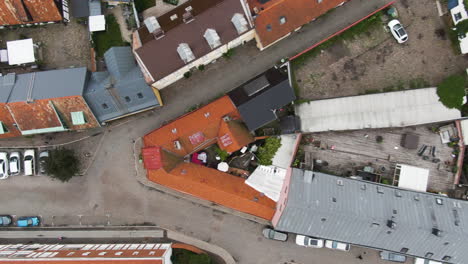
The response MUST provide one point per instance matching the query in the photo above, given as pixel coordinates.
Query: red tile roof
(7, 120)
(152, 159)
(36, 115)
(295, 12)
(14, 12)
(196, 131)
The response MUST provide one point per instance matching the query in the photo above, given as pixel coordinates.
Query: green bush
(187, 75)
(451, 91)
(142, 5)
(222, 154)
(228, 54)
(183, 256)
(62, 164)
(201, 67)
(268, 150)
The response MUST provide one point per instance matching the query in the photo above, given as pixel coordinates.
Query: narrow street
(110, 192)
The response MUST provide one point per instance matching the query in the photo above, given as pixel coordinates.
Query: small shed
(410, 141)
(20, 52)
(411, 178)
(97, 23)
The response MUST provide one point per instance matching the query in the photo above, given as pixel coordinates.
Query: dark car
(5, 220)
(273, 234)
(43, 157)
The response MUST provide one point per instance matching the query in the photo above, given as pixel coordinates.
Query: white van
(425, 261)
(29, 162)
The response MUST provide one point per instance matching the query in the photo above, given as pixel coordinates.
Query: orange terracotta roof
(36, 115)
(7, 120)
(295, 12)
(14, 12)
(196, 130)
(233, 135)
(66, 105)
(216, 186)
(94, 261)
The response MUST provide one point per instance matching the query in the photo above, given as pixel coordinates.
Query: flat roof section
(412, 178)
(20, 51)
(393, 109)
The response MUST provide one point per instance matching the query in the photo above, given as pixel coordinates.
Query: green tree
(462, 27)
(268, 150)
(62, 164)
(452, 91)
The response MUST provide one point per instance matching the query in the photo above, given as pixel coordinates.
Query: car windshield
(335, 244)
(313, 242)
(2, 166)
(401, 32)
(28, 158)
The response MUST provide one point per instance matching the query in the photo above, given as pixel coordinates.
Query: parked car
(43, 156)
(27, 221)
(390, 256)
(15, 163)
(306, 241)
(29, 160)
(336, 245)
(3, 165)
(397, 30)
(275, 235)
(5, 220)
(425, 261)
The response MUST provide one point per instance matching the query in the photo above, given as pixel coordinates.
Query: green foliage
(451, 91)
(268, 150)
(201, 67)
(379, 139)
(62, 164)
(228, 54)
(142, 5)
(182, 256)
(187, 75)
(104, 40)
(172, 2)
(462, 27)
(222, 154)
(385, 181)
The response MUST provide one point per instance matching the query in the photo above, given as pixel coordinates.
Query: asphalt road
(109, 193)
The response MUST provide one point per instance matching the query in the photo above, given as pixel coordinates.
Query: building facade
(86, 253)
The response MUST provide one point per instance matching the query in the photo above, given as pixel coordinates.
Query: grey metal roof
(6, 85)
(79, 8)
(95, 8)
(259, 98)
(48, 84)
(357, 212)
(122, 89)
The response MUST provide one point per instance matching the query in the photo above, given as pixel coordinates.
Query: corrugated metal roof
(357, 212)
(94, 7)
(121, 90)
(6, 85)
(394, 109)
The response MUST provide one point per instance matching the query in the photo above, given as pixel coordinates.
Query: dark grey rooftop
(259, 98)
(79, 8)
(358, 212)
(120, 90)
(43, 85)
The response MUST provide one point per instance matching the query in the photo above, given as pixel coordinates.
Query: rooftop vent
(187, 16)
(397, 193)
(240, 23)
(185, 52)
(391, 224)
(439, 201)
(212, 38)
(153, 27)
(429, 255)
(436, 232)
(339, 182)
(177, 145)
(446, 258)
(404, 250)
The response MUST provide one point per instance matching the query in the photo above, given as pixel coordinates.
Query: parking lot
(349, 151)
(23, 162)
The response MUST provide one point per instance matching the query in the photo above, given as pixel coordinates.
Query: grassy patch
(103, 40)
(268, 150)
(362, 27)
(142, 5)
(182, 256)
(451, 91)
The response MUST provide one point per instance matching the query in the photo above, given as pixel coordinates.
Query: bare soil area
(61, 45)
(374, 62)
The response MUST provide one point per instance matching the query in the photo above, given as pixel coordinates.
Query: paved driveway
(110, 193)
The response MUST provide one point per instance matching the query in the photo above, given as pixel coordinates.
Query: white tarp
(20, 51)
(97, 23)
(464, 129)
(268, 180)
(413, 178)
(394, 109)
(285, 154)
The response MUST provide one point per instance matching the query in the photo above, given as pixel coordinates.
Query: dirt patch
(374, 62)
(61, 45)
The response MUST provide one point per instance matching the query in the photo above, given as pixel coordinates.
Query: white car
(29, 162)
(425, 261)
(336, 245)
(306, 241)
(15, 163)
(398, 32)
(3, 165)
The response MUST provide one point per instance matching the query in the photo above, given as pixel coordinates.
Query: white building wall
(215, 54)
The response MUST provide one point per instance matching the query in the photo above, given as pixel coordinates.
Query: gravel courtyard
(374, 62)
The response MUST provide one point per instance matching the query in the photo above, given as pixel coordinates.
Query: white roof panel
(97, 23)
(20, 51)
(394, 109)
(268, 180)
(413, 178)
(464, 129)
(285, 154)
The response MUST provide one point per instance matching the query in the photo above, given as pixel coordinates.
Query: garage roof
(413, 178)
(20, 51)
(394, 109)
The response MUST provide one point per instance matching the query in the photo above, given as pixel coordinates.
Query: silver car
(15, 163)
(3, 165)
(43, 157)
(275, 235)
